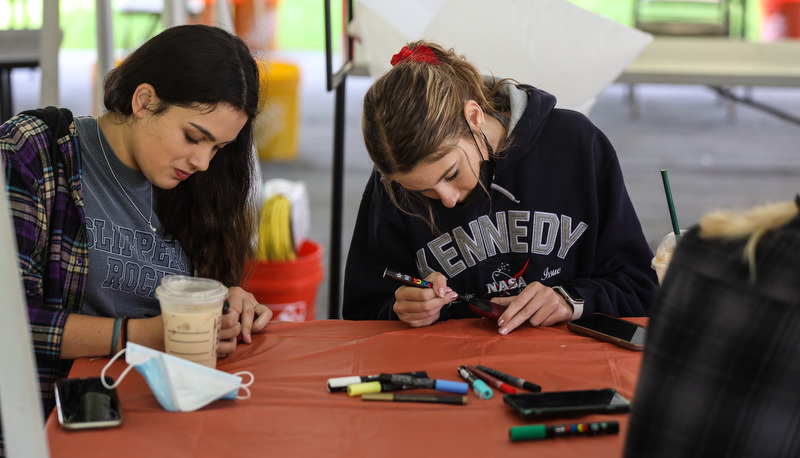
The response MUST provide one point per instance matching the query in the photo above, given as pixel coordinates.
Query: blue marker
(425, 382)
(479, 386)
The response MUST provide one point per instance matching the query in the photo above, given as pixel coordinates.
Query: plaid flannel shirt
(41, 162)
(721, 369)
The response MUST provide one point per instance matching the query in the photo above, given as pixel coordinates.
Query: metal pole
(105, 48)
(48, 53)
(334, 287)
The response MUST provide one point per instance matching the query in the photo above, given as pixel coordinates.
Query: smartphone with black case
(84, 403)
(567, 403)
(620, 332)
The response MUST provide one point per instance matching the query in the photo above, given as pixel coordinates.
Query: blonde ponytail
(752, 225)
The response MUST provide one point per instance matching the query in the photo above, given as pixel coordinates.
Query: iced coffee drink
(191, 309)
(663, 256)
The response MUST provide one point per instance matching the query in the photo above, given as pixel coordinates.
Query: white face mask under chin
(178, 384)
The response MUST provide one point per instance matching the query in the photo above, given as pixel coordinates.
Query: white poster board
(21, 407)
(554, 45)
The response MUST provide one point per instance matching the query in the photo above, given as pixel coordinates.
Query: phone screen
(86, 403)
(606, 325)
(567, 403)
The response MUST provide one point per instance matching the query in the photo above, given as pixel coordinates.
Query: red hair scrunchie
(421, 53)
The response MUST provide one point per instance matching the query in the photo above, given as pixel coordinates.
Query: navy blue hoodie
(558, 213)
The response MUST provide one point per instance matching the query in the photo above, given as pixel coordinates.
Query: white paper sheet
(551, 44)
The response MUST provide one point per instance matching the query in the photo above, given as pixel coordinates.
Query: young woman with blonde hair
(722, 359)
(483, 187)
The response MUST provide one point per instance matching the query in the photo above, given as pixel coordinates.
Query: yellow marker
(366, 387)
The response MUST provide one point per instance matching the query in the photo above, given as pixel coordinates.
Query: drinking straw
(675, 228)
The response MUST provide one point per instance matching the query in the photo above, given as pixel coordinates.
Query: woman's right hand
(421, 306)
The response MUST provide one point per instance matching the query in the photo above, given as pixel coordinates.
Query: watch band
(572, 299)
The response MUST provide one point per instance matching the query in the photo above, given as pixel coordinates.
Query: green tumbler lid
(527, 432)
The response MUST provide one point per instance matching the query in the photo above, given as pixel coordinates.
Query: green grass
(300, 23)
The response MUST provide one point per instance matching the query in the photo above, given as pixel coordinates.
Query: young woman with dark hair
(161, 183)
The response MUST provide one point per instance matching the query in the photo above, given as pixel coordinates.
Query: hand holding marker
(482, 307)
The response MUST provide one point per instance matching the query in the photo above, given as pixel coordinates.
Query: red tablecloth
(291, 413)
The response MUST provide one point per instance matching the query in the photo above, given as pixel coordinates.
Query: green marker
(538, 432)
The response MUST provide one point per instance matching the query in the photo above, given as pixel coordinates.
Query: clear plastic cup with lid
(191, 310)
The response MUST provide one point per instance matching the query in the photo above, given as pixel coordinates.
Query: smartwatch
(573, 298)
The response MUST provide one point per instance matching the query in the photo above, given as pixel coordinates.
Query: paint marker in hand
(481, 307)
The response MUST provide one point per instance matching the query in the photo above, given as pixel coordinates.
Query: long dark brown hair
(212, 214)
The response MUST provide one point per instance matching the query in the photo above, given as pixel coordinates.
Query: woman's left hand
(245, 316)
(537, 304)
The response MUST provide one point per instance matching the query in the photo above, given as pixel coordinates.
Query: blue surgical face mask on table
(178, 384)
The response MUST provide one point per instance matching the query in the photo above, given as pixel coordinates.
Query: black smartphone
(567, 403)
(84, 403)
(620, 332)
(485, 308)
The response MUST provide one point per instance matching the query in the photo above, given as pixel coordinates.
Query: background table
(719, 63)
(18, 49)
(716, 61)
(291, 413)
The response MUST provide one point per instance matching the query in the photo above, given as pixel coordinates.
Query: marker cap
(527, 432)
(483, 390)
(340, 383)
(361, 388)
(451, 386)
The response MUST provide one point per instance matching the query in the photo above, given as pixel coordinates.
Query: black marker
(537, 432)
(407, 280)
(374, 387)
(481, 307)
(424, 382)
(226, 307)
(341, 383)
(511, 380)
(434, 398)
